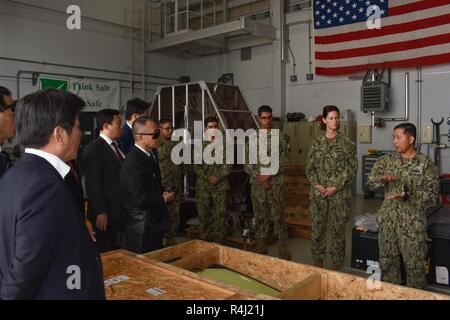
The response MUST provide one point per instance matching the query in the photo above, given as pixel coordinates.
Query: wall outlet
(426, 136)
(365, 134)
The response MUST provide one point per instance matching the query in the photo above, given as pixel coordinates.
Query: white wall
(35, 34)
(255, 77)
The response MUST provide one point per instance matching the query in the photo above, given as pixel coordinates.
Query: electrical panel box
(374, 97)
(365, 134)
(427, 134)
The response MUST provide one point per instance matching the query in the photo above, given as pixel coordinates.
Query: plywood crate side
(118, 251)
(240, 296)
(342, 286)
(307, 289)
(277, 273)
(199, 260)
(146, 275)
(180, 251)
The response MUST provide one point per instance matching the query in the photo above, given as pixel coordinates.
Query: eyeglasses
(4, 108)
(154, 134)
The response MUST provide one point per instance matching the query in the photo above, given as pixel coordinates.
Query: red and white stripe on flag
(413, 33)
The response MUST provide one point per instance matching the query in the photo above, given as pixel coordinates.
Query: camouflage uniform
(268, 203)
(331, 165)
(171, 176)
(402, 224)
(212, 201)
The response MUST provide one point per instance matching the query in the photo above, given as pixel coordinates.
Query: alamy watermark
(252, 147)
(73, 21)
(74, 279)
(374, 17)
(373, 282)
(373, 13)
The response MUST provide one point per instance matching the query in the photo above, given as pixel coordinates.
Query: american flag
(413, 33)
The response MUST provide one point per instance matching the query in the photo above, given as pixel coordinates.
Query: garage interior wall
(29, 31)
(256, 79)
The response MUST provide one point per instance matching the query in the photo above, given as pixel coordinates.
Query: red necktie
(118, 153)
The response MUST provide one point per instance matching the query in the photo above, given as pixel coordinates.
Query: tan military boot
(283, 252)
(318, 263)
(261, 247)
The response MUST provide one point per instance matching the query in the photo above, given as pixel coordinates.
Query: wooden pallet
(296, 211)
(299, 231)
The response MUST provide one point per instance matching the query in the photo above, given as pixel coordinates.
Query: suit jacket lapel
(27, 157)
(108, 147)
(149, 161)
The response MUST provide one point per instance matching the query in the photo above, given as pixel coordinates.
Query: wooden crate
(296, 210)
(292, 200)
(298, 231)
(297, 190)
(298, 216)
(231, 241)
(299, 221)
(295, 171)
(292, 280)
(153, 281)
(168, 270)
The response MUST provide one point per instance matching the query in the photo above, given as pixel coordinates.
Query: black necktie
(73, 172)
(154, 154)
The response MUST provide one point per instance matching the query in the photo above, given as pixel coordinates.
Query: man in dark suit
(7, 127)
(102, 160)
(135, 108)
(45, 249)
(143, 197)
(73, 180)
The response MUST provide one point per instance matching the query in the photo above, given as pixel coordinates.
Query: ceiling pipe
(44, 63)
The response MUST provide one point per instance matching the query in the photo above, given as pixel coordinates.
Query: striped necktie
(118, 153)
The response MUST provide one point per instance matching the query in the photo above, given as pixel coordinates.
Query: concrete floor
(301, 248)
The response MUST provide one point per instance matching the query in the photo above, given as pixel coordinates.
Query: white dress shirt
(60, 166)
(143, 150)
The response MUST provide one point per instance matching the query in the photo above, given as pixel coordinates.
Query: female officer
(331, 168)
